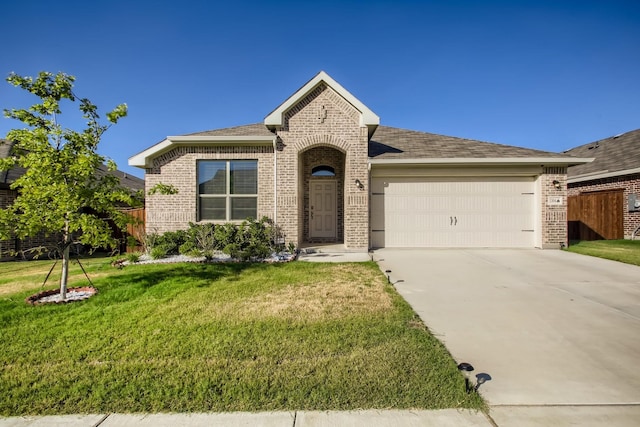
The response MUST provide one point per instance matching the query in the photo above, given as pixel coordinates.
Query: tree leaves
(65, 189)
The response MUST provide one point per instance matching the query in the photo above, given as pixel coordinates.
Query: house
(8, 195)
(606, 191)
(324, 168)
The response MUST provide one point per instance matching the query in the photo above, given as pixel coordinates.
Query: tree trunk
(65, 273)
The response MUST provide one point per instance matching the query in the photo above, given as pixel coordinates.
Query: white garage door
(452, 212)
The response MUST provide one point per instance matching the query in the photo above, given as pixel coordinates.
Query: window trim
(227, 196)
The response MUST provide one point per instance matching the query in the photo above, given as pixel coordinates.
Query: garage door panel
(450, 212)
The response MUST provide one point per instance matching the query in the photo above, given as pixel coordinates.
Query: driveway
(548, 327)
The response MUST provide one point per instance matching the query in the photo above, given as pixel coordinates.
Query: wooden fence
(136, 228)
(596, 215)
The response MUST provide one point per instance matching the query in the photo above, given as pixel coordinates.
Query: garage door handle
(456, 218)
(450, 220)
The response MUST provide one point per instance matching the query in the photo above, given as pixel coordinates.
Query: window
(227, 189)
(323, 171)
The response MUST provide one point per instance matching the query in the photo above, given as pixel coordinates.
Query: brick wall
(554, 216)
(7, 247)
(323, 119)
(630, 184)
(178, 168)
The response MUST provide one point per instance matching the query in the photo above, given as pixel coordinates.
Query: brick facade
(12, 247)
(629, 183)
(553, 214)
(320, 127)
(7, 247)
(178, 168)
(323, 119)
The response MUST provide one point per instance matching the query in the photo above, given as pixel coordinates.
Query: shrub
(250, 240)
(171, 241)
(158, 252)
(132, 257)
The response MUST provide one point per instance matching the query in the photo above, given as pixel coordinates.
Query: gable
(278, 117)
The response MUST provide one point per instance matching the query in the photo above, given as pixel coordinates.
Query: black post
(466, 368)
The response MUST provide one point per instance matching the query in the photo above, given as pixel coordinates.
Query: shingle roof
(255, 129)
(7, 177)
(613, 154)
(395, 143)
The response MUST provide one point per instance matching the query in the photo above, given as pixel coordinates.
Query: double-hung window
(227, 189)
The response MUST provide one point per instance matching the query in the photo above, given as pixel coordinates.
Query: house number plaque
(554, 201)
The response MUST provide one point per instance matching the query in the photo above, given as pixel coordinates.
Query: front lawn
(627, 251)
(219, 337)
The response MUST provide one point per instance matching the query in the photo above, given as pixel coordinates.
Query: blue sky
(541, 74)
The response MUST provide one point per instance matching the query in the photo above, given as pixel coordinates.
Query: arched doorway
(323, 189)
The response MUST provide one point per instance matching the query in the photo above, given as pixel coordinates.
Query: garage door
(452, 212)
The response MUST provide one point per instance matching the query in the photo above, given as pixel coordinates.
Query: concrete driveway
(549, 328)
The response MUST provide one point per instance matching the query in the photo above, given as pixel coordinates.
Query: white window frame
(227, 195)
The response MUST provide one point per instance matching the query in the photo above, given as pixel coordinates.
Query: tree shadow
(130, 285)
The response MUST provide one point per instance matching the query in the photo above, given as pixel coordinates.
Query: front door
(322, 209)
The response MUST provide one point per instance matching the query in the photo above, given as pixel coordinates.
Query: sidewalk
(391, 418)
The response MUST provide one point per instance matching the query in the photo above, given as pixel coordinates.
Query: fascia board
(487, 161)
(240, 140)
(143, 159)
(606, 174)
(367, 117)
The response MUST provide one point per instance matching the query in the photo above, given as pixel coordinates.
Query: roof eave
(601, 175)
(545, 161)
(145, 158)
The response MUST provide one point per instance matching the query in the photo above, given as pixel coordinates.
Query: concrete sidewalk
(584, 416)
(440, 418)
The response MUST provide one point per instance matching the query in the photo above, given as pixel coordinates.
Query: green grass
(219, 337)
(627, 251)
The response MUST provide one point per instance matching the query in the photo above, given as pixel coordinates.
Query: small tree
(61, 192)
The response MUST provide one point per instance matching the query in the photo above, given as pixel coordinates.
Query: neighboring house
(7, 196)
(607, 191)
(322, 166)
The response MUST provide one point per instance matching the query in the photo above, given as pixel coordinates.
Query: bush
(250, 240)
(158, 252)
(132, 257)
(171, 241)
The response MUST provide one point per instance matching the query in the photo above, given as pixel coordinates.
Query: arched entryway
(322, 174)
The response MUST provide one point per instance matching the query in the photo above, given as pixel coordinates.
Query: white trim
(600, 175)
(240, 140)
(367, 117)
(143, 159)
(543, 161)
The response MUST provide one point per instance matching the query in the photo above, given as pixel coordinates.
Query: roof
(253, 134)
(7, 177)
(614, 156)
(255, 129)
(394, 145)
(388, 145)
